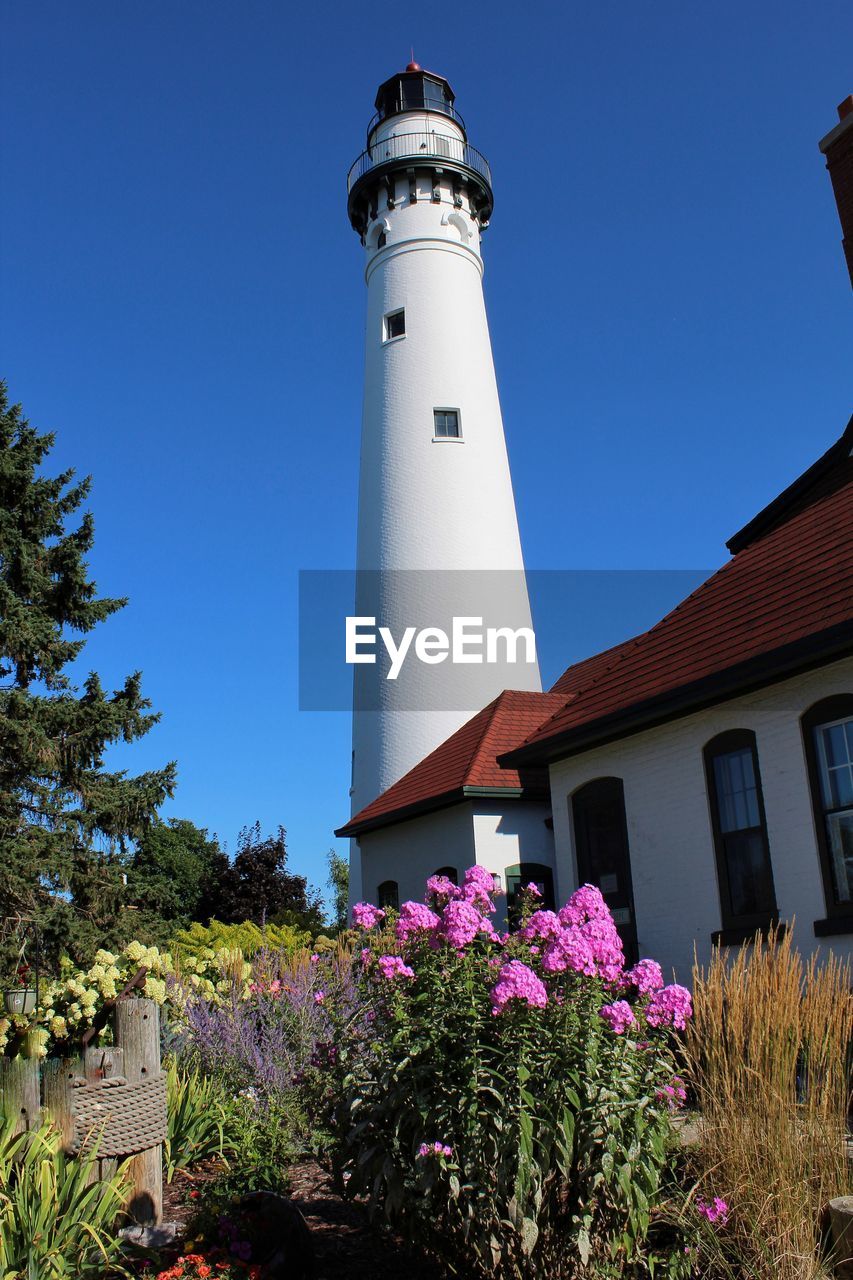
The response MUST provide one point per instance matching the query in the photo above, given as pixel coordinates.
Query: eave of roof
(732, 682)
(431, 804)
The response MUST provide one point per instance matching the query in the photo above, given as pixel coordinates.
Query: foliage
(70, 1004)
(768, 1058)
(200, 1125)
(54, 1222)
(270, 1049)
(65, 820)
(246, 937)
(498, 1103)
(260, 888)
(338, 882)
(175, 877)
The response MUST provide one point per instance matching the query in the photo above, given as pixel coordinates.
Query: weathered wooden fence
(112, 1095)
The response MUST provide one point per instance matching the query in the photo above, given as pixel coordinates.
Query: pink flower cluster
(646, 976)
(517, 982)
(392, 967)
(581, 937)
(674, 1095)
(619, 1016)
(435, 1149)
(670, 1007)
(442, 888)
(366, 916)
(715, 1210)
(415, 917)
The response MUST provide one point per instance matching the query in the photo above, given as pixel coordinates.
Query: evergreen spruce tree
(66, 821)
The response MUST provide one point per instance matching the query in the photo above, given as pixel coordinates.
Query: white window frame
(457, 439)
(389, 315)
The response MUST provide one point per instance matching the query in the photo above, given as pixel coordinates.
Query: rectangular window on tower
(394, 325)
(446, 424)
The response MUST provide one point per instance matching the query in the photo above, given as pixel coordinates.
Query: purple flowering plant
(511, 1102)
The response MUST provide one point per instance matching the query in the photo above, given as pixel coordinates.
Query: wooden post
(137, 1033)
(19, 1092)
(57, 1075)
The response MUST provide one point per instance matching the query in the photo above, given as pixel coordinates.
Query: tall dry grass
(768, 1053)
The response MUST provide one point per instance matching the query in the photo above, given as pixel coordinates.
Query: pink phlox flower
(365, 915)
(674, 1095)
(442, 887)
(435, 1149)
(517, 982)
(393, 967)
(366, 955)
(586, 903)
(569, 950)
(619, 1016)
(319, 997)
(415, 917)
(533, 889)
(669, 1007)
(478, 888)
(542, 924)
(460, 923)
(606, 946)
(646, 976)
(715, 1211)
(315, 959)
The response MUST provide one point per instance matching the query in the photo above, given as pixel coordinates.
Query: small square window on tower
(446, 424)
(394, 325)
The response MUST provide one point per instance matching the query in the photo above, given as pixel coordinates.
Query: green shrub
(507, 1101)
(247, 938)
(54, 1221)
(200, 1123)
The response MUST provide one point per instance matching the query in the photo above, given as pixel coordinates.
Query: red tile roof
(466, 763)
(581, 674)
(782, 603)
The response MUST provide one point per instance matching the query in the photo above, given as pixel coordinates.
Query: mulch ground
(345, 1243)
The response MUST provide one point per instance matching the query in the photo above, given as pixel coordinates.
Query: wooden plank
(19, 1092)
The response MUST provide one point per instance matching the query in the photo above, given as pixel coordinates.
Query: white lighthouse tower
(437, 528)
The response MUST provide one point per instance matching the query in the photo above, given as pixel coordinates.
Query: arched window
(828, 742)
(388, 894)
(449, 872)
(602, 853)
(523, 874)
(744, 871)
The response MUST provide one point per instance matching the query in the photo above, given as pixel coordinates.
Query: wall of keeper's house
(495, 834)
(673, 863)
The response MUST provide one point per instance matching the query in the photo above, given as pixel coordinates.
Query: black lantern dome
(414, 90)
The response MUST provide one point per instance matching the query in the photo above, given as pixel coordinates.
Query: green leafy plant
(200, 1124)
(507, 1100)
(55, 1221)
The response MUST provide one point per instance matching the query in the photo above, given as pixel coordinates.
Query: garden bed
(345, 1243)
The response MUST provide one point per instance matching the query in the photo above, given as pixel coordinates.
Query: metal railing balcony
(420, 146)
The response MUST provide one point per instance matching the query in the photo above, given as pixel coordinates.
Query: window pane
(446, 422)
(737, 793)
(395, 324)
(835, 744)
(839, 830)
(835, 754)
(750, 886)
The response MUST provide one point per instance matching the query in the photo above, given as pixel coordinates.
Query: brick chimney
(837, 146)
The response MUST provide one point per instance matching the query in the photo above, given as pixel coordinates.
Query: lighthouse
(438, 536)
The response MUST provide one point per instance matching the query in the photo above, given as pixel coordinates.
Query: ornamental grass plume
(767, 1057)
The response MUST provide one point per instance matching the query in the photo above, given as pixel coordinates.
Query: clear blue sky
(182, 302)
